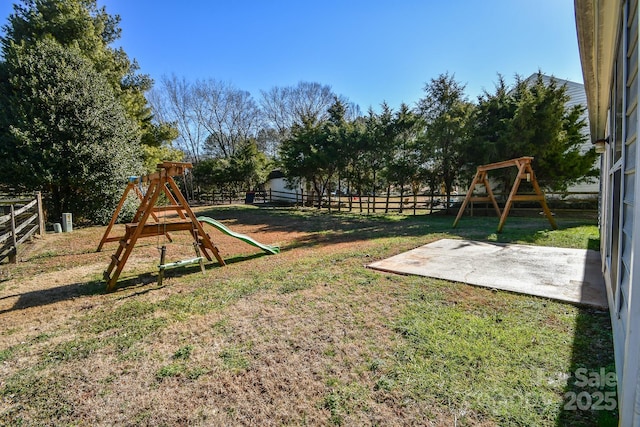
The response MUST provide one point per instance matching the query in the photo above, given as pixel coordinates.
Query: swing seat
(180, 263)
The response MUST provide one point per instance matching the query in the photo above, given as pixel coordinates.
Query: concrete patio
(570, 275)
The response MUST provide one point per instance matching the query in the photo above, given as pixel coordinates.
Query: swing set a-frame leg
(114, 217)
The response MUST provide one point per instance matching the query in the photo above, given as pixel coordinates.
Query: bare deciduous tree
(174, 102)
(213, 118)
(308, 102)
(230, 116)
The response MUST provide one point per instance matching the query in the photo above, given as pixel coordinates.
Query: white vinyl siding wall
(620, 224)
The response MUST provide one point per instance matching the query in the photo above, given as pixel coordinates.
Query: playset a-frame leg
(132, 233)
(525, 171)
(203, 240)
(114, 217)
(131, 185)
(160, 182)
(480, 178)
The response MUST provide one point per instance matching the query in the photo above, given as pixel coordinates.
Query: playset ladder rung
(132, 225)
(527, 198)
(158, 229)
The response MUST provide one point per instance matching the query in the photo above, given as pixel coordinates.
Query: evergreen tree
(552, 133)
(446, 114)
(402, 168)
(381, 145)
(491, 137)
(64, 131)
(90, 31)
(316, 151)
(530, 119)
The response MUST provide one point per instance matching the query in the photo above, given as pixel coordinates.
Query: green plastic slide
(212, 222)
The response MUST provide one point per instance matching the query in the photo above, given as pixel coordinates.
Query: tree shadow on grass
(591, 353)
(73, 291)
(54, 295)
(323, 228)
(342, 227)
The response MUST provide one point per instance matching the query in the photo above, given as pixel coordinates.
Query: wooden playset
(147, 223)
(525, 171)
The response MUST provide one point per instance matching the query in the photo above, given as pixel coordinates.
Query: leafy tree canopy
(90, 30)
(246, 170)
(64, 131)
(532, 119)
(446, 113)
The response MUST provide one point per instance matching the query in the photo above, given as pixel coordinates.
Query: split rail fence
(576, 203)
(21, 220)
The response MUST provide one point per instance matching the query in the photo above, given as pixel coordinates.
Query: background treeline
(321, 141)
(78, 118)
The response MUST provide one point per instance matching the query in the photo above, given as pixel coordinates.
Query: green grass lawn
(307, 337)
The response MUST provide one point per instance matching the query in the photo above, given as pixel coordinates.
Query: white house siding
(608, 40)
(622, 160)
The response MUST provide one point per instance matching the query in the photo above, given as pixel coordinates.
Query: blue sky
(369, 51)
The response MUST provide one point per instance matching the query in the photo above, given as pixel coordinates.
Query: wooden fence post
(14, 254)
(40, 214)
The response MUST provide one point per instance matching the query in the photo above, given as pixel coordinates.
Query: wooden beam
(479, 178)
(168, 208)
(159, 182)
(26, 207)
(205, 242)
(114, 217)
(28, 234)
(13, 256)
(40, 214)
(514, 191)
(504, 164)
(142, 215)
(160, 228)
(25, 223)
(527, 198)
(543, 202)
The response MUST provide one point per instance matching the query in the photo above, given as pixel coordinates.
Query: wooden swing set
(147, 223)
(525, 172)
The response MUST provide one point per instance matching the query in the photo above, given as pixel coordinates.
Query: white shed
(278, 187)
